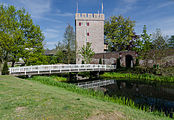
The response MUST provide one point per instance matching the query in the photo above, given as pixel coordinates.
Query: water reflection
(159, 96)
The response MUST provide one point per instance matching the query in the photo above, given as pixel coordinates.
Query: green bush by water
(130, 76)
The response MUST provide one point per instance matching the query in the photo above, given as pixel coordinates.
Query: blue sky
(54, 15)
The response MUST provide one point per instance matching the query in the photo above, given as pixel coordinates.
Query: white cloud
(130, 1)
(66, 14)
(51, 43)
(51, 34)
(165, 24)
(37, 7)
(47, 19)
(166, 4)
(126, 5)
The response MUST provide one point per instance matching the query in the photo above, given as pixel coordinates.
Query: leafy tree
(118, 32)
(87, 52)
(100, 61)
(159, 45)
(144, 45)
(18, 36)
(171, 41)
(5, 69)
(61, 53)
(69, 40)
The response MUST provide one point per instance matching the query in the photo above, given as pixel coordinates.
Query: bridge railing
(60, 67)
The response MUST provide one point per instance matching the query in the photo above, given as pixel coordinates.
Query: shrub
(83, 62)
(118, 63)
(100, 61)
(137, 62)
(5, 69)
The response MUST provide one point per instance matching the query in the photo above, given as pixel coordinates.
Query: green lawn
(24, 99)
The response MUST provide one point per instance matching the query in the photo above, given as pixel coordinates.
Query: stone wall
(111, 57)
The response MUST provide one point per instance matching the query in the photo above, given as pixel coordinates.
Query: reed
(90, 92)
(130, 76)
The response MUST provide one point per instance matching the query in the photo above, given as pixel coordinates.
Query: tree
(61, 53)
(171, 42)
(69, 40)
(159, 45)
(18, 36)
(118, 32)
(144, 45)
(87, 52)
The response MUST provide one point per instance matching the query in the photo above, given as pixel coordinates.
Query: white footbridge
(58, 68)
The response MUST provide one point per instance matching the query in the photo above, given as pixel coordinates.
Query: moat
(157, 96)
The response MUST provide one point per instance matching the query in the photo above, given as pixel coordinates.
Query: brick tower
(89, 28)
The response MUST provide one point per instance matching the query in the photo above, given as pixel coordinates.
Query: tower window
(87, 23)
(88, 34)
(80, 23)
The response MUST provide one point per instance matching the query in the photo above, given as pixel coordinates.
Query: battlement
(85, 16)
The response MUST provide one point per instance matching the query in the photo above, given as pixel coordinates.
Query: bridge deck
(53, 69)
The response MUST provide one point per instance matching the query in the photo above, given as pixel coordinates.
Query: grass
(144, 77)
(30, 99)
(59, 79)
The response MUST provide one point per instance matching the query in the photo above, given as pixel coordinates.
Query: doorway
(129, 61)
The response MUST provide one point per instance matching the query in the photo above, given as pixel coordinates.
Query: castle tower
(89, 28)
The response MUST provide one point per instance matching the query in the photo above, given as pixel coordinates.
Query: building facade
(89, 28)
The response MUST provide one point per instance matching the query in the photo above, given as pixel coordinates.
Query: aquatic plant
(130, 76)
(92, 93)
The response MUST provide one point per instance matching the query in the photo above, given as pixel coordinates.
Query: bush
(83, 62)
(100, 61)
(118, 63)
(137, 62)
(5, 69)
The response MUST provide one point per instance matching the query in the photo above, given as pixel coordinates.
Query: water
(158, 96)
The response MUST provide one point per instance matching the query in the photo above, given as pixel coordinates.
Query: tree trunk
(1, 68)
(13, 63)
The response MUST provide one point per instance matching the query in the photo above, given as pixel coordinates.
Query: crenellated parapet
(85, 16)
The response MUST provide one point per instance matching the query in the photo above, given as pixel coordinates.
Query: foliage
(171, 42)
(118, 63)
(69, 40)
(83, 62)
(19, 37)
(60, 53)
(100, 61)
(59, 79)
(159, 45)
(144, 45)
(87, 52)
(141, 77)
(137, 62)
(5, 69)
(119, 32)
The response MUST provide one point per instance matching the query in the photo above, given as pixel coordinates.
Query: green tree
(87, 52)
(171, 41)
(118, 32)
(159, 45)
(18, 35)
(144, 45)
(69, 40)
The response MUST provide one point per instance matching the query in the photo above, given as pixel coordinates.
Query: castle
(89, 28)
